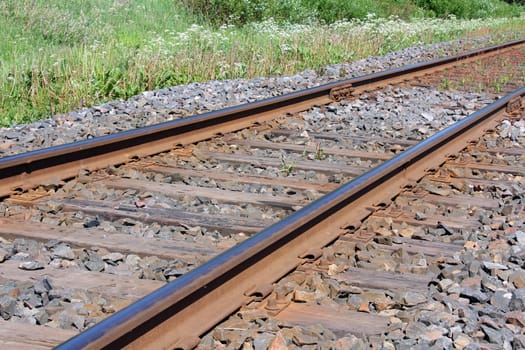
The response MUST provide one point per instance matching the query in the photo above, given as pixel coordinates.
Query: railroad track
(189, 190)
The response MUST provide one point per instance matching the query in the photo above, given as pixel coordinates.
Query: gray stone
(517, 278)
(515, 318)
(151, 274)
(491, 283)
(461, 341)
(420, 216)
(472, 346)
(494, 266)
(46, 283)
(4, 254)
(351, 343)
(504, 274)
(518, 342)
(31, 299)
(173, 272)
(501, 299)
(428, 116)
(132, 260)
(51, 206)
(414, 298)
(54, 306)
(517, 302)
(473, 268)
(492, 335)
(7, 307)
(120, 270)
(422, 345)
(20, 310)
(62, 293)
(63, 251)
(27, 319)
(354, 301)
(520, 238)
(453, 272)
(517, 256)
(490, 311)
(262, 341)
(474, 295)
(442, 343)
(446, 283)
(436, 190)
(388, 346)
(26, 246)
(405, 344)
(31, 265)
(455, 331)
(69, 319)
(95, 263)
(153, 263)
(396, 334)
(91, 223)
(414, 330)
(41, 317)
(113, 257)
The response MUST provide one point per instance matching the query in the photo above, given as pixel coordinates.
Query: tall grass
(57, 56)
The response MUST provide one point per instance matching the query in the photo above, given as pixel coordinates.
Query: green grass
(57, 56)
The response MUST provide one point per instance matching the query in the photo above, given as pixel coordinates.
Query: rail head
(220, 285)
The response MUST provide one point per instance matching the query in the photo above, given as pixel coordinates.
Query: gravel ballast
(152, 107)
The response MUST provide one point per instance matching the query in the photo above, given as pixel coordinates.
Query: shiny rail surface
(177, 314)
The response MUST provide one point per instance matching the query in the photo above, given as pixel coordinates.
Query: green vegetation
(57, 56)
(60, 55)
(286, 167)
(319, 152)
(469, 8)
(219, 12)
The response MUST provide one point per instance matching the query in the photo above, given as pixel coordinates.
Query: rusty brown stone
(278, 343)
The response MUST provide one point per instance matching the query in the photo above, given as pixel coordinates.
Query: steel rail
(30, 169)
(177, 314)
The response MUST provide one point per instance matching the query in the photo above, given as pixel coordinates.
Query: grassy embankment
(57, 56)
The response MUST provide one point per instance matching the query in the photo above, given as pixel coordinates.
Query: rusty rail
(177, 314)
(27, 170)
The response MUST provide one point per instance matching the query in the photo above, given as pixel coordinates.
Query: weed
(286, 167)
(500, 83)
(505, 79)
(319, 152)
(479, 88)
(444, 84)
(304, 152)
(462, 82)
